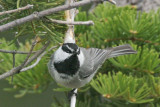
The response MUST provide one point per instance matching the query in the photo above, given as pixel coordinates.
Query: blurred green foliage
(34, 80)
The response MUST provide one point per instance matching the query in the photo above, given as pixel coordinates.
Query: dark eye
(68, 51)
(78, 51)
(66, 48)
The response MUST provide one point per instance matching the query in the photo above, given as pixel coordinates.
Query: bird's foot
(71, 93)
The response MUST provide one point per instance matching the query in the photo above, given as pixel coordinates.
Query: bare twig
(16, 10)
(72, 23)
(15, 52)
(13, 60)
(25, 61)
(37, 61)
(13, 64)
(37, 54)
(33, 65)
(52, 48)
(38, 15)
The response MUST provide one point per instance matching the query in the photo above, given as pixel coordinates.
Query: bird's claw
(71, 93)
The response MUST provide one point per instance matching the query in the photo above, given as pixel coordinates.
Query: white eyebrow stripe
(69, 48)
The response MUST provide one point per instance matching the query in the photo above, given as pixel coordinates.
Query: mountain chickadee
(73, 66)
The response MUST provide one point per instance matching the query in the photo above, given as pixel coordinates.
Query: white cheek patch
(60, 55)
(81, 58)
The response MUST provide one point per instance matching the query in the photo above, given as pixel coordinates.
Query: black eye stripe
(72, 46)
(65, 48)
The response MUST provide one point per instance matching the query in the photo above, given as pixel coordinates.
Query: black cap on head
(71, 48)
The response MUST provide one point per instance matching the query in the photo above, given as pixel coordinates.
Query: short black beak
(75, 52)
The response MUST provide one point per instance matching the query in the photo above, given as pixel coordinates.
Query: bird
(73, 66)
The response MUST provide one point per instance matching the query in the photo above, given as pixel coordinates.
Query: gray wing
(94, 58)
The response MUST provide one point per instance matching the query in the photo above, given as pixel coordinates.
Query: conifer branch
(26, 61)
(38, 15)
(16, 69)
(33, 65)
(37, 61)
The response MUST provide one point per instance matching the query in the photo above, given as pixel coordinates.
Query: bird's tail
(121, 50)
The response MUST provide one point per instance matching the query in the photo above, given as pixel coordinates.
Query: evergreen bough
(125, 81)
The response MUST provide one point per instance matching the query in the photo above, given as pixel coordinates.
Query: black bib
(69, 66)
